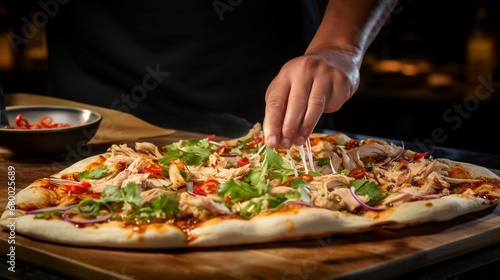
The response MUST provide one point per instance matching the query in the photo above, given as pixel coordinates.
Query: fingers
(295, 112)
(304, 89)
(319, 96)
(291, 113)
(276, 102)
(286, 103)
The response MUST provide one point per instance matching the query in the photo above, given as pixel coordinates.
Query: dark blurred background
(431, 76)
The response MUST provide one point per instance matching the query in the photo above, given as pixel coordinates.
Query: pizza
(206, 193)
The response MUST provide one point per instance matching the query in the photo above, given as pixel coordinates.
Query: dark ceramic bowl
(83, 126)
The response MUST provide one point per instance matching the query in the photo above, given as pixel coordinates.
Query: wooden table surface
(378, 254)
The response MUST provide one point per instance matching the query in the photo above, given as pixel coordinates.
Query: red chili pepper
(95, 195)
(357, 173)
(22, 122)
(210, 186)
(85, 184)
(419, 156)
(306, 177)
(253, 142)
(82, 187)
(244, 161)
(152, 168)
(222, 150)
(289, 180)
(46, 121)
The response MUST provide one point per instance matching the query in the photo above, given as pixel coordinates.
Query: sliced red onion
(55, 208)
(400, 153)
(229, 155)
(93, 220)
(189, 188)
(364, 205)
(436, 195)
(396, 157)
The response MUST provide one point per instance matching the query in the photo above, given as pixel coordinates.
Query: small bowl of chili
(36, 130)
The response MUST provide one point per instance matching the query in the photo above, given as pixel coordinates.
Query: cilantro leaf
(161, 208)
(256, 178)
(275, 161)
(324, 161)
(237, 191)
(192, 151)
(371, 189)
(95, 173)
(130, 196)
(254, 206)
(111, 194)
(302, 189)
(165, 204)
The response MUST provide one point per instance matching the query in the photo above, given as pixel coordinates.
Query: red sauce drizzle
(494, 183)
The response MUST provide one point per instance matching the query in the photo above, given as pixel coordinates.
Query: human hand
(305, 88)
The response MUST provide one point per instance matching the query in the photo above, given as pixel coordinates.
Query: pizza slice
(199, 193)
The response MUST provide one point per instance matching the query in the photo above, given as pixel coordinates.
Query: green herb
(340, 147)
(371, 189)
(256, 178)
(95, 173)
(161, 208)
(111, 194)
(129, 198)
(324, 161)
(47, 214)
(131, 194)
(273, 160)
(237, 191)
(272, 167)
(302, 188)
(90, 207)
(192, 152)
(254, 206)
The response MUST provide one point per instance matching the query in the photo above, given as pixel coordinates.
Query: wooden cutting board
(378, 254)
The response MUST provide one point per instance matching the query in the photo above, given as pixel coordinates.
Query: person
(217, 66)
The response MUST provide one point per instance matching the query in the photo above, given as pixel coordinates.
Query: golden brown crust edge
(292, 224)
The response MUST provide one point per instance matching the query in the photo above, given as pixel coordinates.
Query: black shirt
(194, 64)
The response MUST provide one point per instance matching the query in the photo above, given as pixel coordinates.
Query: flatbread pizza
(205, 193)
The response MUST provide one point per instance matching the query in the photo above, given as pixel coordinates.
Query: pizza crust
(426, 211)
(80, 165)
(291, 224)
(476, 171)
(35, 196)
(108, 235)
(294, 224)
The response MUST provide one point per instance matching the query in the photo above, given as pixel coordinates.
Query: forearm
(351, 25)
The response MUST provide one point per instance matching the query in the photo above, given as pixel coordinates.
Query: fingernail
(272, 141)
(286, 143)
(299, 141)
